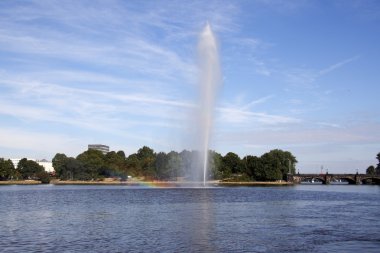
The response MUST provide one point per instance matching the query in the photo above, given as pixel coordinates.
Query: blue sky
(301, 76)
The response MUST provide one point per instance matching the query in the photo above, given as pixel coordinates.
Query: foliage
(174, 165)
(231, 164)
(93, 164)
(115, 165)
(161, 165)
(92, 161)
(214, 165)
(146, 158)
(7, 170)
(59, 161)
(133, 165)
(29, 169)
(270, 167)
(280, 162)
(253, 166)
(371, 170)
(44, 177)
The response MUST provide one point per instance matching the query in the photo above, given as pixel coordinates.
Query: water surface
(304, 218)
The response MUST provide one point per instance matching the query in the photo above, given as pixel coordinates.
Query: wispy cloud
(58, 101)
(283, 6)
(244, 117)
(14, 140)
(306, 77)
(337, 65)
(125, 66)
(323, 134)
(256, 102)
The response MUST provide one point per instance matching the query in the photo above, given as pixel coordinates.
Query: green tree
(43, 176)
(146, 157)
(30, 169)
(59, 161)
(74, 170)
(68, 168)
(215, 163)
(371, 170)
(253, 167)
(93, 161)
(174, 165)
(115, 165)
(161, 165)
(378, 165)
(187, 158)
(231, 164)
(7, 169)
(270, 169)
(121, 154)
(133, 165)
(282, 160)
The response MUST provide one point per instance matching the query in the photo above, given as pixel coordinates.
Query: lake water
(304, 218)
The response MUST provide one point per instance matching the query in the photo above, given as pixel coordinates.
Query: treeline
(26, 169)
(371, 170)
(145, 163)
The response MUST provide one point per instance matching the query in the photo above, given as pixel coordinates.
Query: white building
(48, 166)
(103, 148)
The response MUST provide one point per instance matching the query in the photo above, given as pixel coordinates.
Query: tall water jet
(210, 79)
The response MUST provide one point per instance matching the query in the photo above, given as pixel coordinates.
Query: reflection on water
(304, 218)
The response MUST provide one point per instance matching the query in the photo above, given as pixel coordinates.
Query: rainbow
(153, 184)
(164, 184)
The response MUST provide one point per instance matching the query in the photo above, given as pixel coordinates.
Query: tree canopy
(371, 170)
(7, 170)
(147, 164)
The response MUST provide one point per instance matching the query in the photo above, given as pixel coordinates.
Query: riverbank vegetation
(25, 170)
(146, 164)
(173, 166)
(372, 170)
(149, 165)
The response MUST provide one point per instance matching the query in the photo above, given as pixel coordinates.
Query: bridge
(328, 178)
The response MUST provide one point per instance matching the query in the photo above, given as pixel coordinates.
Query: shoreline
(169, 183)
(256, 183)
(162, 184)
(20, 182)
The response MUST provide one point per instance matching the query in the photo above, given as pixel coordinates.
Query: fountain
(210, 78)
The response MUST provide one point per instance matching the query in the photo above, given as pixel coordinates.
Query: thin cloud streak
(337, 65)
(307, 77)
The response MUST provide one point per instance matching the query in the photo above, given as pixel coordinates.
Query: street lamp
(289, 165)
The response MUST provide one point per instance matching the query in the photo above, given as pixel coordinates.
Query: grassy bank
(20, 182)
(145, 183)
(282, 183)
(167, 183)
(80, 182)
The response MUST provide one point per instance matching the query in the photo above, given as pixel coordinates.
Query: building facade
(48, 165)
(103, 148)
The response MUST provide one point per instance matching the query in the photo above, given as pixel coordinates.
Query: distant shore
(255, 183)
(145, 183)
(169, 183)
(20, 182)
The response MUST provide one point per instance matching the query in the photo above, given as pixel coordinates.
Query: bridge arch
(310, 178)
(373, 179)
(328, 178)
(349, 179)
